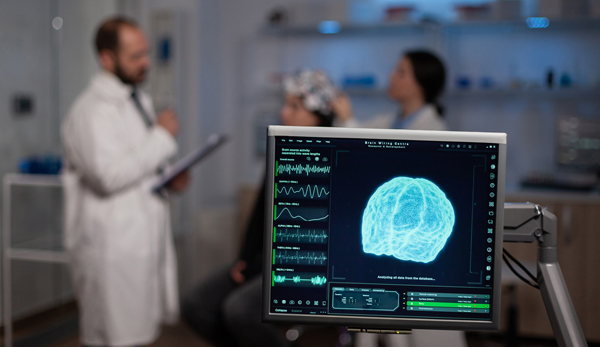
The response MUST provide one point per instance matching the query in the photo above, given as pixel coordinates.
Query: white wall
(52, 66)
(25, 52)
(76, 52)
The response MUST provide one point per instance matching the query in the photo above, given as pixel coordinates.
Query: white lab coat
(117, 231)
(427, 118)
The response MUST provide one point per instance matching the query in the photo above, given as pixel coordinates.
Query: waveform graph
(284, 257)
(312, 170)
(306, 214)
(298, 279)
(301, 235)
(309, 191)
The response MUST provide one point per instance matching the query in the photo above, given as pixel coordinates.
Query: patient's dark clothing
(252, 249)
(227, 314)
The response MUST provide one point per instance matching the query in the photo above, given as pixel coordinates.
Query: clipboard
(214, 141)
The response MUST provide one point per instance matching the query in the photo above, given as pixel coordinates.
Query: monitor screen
(393, 229)
(578, 143)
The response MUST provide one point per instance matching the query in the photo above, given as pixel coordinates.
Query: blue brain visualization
(407, 218)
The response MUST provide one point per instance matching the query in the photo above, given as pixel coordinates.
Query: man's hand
(180, 182)
(236, 272)
(168, 120)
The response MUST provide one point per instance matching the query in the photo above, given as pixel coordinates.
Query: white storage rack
(53, 254)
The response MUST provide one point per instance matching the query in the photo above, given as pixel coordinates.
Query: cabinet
(579, 257)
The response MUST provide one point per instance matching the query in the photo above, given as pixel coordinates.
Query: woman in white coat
(416, 84)
(117, 231)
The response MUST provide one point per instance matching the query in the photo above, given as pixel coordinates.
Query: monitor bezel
(387, 134)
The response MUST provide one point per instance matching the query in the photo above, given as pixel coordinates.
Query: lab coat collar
(109, 85)
(407, 122)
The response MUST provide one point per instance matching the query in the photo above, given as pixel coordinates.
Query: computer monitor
(384, 229)
(578, 144)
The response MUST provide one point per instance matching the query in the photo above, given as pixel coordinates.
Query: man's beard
(125, 78)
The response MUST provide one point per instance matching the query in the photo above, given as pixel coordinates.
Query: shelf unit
(505, 54)
(444, 36)
(452, 27)
(47, 250)
(538, 93)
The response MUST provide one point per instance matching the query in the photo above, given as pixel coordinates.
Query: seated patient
(226, 307)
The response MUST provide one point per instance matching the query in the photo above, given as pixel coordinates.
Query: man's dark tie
(136, 99)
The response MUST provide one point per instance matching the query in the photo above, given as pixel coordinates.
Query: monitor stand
(380, 331)
(527, 222)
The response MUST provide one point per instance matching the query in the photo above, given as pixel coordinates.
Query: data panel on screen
(394, 229)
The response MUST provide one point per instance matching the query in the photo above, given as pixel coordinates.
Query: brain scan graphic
(407, 218)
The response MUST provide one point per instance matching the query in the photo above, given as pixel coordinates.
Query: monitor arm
(527, 222)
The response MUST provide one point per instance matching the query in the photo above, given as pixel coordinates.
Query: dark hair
(430, 74)
(325, 119)
(107, 36)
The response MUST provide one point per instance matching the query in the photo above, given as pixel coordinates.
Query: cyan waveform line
(300, 257)
(295, 217)
(298, 235)
(318, 281)
(316, 191)
(300, 169)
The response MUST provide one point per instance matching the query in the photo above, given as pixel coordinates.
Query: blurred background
(530, 68)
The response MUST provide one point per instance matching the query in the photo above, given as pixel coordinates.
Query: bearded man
(117, 230)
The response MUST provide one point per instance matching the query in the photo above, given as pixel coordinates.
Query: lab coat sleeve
(107, 162)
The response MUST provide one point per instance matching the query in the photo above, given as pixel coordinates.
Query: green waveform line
(300, 169)
(319, 236)
(298, 216)
(300, 257)
(305, 191)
